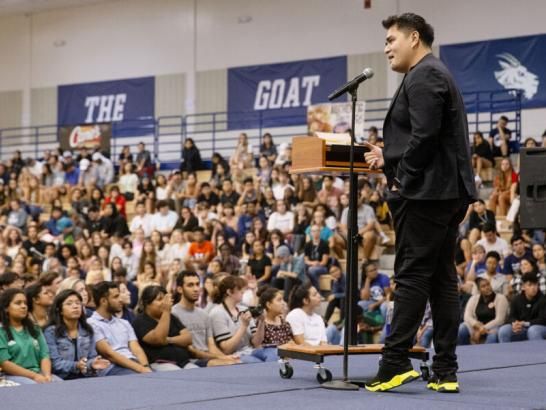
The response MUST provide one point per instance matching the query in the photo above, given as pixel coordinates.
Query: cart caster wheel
(287, 372)
(324, 375)
(425, 373)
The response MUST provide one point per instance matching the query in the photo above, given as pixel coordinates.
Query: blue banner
(108, 101)
(510, 63)
(278, 94)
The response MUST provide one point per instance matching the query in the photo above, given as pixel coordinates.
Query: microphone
(365, 75)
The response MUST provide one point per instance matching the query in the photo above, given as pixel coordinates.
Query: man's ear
(415, 38)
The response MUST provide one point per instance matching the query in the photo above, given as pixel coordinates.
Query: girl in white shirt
(128, 182)
(307, 326)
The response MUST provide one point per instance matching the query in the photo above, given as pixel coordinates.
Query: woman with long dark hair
(277, 331)
(191, 157)
(163, 338)
(70, 339)
(307, 326)
(39, 300)
(24, 356)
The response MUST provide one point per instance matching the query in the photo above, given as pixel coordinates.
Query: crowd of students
(109, 273)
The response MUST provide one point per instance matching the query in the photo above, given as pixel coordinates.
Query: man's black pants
(426, 232)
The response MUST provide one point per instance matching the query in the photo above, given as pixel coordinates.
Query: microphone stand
(351, 280)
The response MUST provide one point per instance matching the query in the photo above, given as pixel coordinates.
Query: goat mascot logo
(515, 75)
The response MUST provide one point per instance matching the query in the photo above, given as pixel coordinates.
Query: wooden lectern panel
(312, 155)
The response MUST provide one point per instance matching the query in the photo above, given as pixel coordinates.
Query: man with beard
(115, 339)
(196, 320)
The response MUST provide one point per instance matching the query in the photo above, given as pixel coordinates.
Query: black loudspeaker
(533, 188)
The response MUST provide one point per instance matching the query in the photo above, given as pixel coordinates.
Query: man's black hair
(101, 290)
(411, 22)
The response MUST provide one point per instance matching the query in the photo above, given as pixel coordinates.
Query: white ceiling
(8, 7)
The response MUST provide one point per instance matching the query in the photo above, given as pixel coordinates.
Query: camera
(256, 311)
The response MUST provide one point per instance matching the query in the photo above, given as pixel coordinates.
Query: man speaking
(426, 160)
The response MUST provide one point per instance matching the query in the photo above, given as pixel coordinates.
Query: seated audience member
(117, 199)
(491, 241)
(163, 338)
(236, 332)
(474, 268)
(164, 220)
(504, 188)
(527, 320)
(208, 196)
(375, 292)
(70, 339)
(519, 251)
(482, 156)
(142, 220)
(51, 281)
(277, 330)
(17, 216)
(368, 227)
(77, 284)
(125, 296)
(39, 300)
(191, 157)
(499, 138)
(24, 357)
(281, 219)
(128, 181)
(204, 351)
(337, 296)
(259, 264)
(230, 263)
(114, 338)
(268, 148)
(496, 279)
(243, 156)
(112, 222)
(201, 250)
(317, 254)
(291, 271)
(281, 188)
(10, 280)
(484, 314)
(307, 325)
(479, 216)
(527, 266)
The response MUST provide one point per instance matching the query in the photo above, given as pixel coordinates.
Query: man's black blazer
(427, 150)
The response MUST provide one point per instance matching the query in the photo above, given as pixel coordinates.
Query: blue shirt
(378, 285)
(72, 177)
(512, 262)
(117, 332)
(325, 233)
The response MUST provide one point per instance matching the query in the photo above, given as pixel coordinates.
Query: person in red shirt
(117, 198)
(201, 251)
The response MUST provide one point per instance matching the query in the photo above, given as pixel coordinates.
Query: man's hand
(374, 157)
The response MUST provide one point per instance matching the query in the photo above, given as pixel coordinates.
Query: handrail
(166, 134)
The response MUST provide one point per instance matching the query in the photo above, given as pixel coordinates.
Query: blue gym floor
(502, 376)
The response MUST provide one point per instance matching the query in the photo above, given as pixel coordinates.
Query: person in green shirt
(24, 356)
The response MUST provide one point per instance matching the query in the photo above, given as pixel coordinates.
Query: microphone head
(368, 72)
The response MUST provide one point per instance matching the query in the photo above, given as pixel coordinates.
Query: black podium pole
(351, 279)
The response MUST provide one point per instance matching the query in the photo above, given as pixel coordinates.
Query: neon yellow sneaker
(388, 378)
(448, 384)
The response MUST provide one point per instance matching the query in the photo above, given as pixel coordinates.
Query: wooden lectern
(312, 155)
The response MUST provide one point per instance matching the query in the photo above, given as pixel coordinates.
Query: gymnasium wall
(188, 44)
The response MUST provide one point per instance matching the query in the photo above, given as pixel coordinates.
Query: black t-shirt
(477, 221)
(143, 324)
(315, 252)
(213, 199)
(231, 198)
(38, 245)
(257, 266)
(485, 310)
